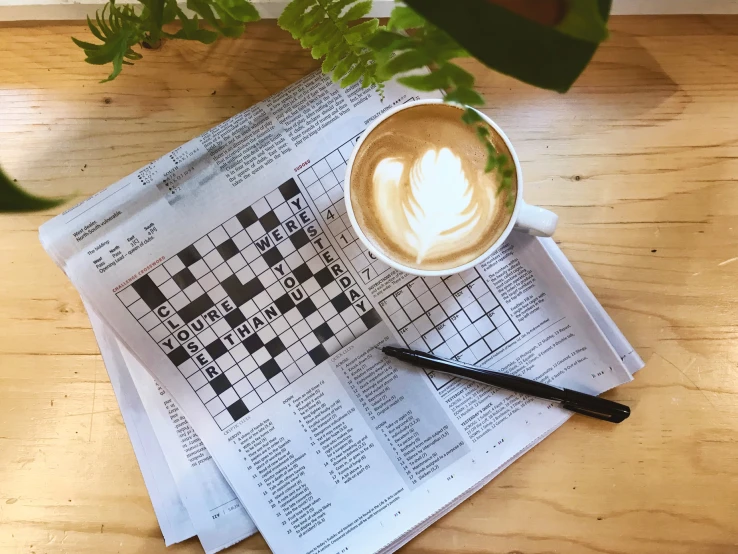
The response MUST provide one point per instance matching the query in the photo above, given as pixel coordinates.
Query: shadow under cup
(418, 193)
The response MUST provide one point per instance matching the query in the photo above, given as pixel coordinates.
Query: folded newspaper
(240, 320)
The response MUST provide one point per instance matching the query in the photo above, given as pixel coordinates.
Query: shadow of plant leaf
(15, 199)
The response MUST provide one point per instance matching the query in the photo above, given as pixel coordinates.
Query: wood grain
(640, 161)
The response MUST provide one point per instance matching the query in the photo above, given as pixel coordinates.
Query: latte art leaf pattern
(439, 206)
(420, 191)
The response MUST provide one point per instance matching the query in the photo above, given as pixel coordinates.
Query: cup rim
(429, 272)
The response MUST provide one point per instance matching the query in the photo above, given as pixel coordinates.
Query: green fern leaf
(384, 41)
(191, 30)
(426, 83)
(237, 10)
(357, 11)
(405, 61)
(330, 30)
(358, 33)
(403, 18)
(471, 116)
(153, 15)
(447, 76)
(467, 96)
(95, 31)
(119, 30)
(405, 55)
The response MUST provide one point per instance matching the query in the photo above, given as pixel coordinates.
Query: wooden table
(640, 161)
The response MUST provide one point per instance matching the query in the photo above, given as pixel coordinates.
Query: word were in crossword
(456, 317)
(324, 184)
(252, 305)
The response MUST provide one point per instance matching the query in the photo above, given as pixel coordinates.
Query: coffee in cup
(419, 189)
(419, 199)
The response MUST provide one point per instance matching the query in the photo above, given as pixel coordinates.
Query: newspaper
(175, 523)
(212, 511)
(171, 514)
(627, 353)
(229, 270)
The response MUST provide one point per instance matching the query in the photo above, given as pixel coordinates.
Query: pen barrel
(488, 377)
(574, 401)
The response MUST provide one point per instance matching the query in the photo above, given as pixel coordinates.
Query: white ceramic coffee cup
(526, 218)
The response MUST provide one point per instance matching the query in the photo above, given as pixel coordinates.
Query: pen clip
(593, 406)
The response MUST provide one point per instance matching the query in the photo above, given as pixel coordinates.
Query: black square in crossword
(247, 217)
(184, 278)
(371, 318)
(324, 276)
(220, 384)
(189, 255)
(302, 273)
(340, 302)
(323, 332)
(272, 257)
(299, 239)
(149, 292)
(252, 288)
(275, 347)
(318, 354)
(237, 410)
(253, 343)
(235, 290)
(270, 369)
(269, 221)
(284, 303)
(195, 308)
(289, 189)
(227, 249)
(306, 307)
(216, 349)
(178, 355)
(235, 318)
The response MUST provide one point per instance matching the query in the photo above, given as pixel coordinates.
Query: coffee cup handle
(536, 221)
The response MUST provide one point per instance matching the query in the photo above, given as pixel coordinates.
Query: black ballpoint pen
(572, 400)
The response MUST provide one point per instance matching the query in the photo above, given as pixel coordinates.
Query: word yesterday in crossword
(324, 182)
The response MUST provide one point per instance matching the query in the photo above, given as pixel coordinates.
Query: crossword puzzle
(455, 317)
(324, 183)
(252, 305)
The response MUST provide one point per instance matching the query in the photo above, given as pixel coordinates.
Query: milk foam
(419, 191)
(437, 212)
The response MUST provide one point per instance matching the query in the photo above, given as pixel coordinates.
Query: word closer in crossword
(252, 305)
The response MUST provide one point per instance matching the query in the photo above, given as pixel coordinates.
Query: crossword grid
(324, 183)
(252, 305)
(455, 317)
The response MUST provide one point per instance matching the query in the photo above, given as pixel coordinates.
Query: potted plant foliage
(546, 43)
